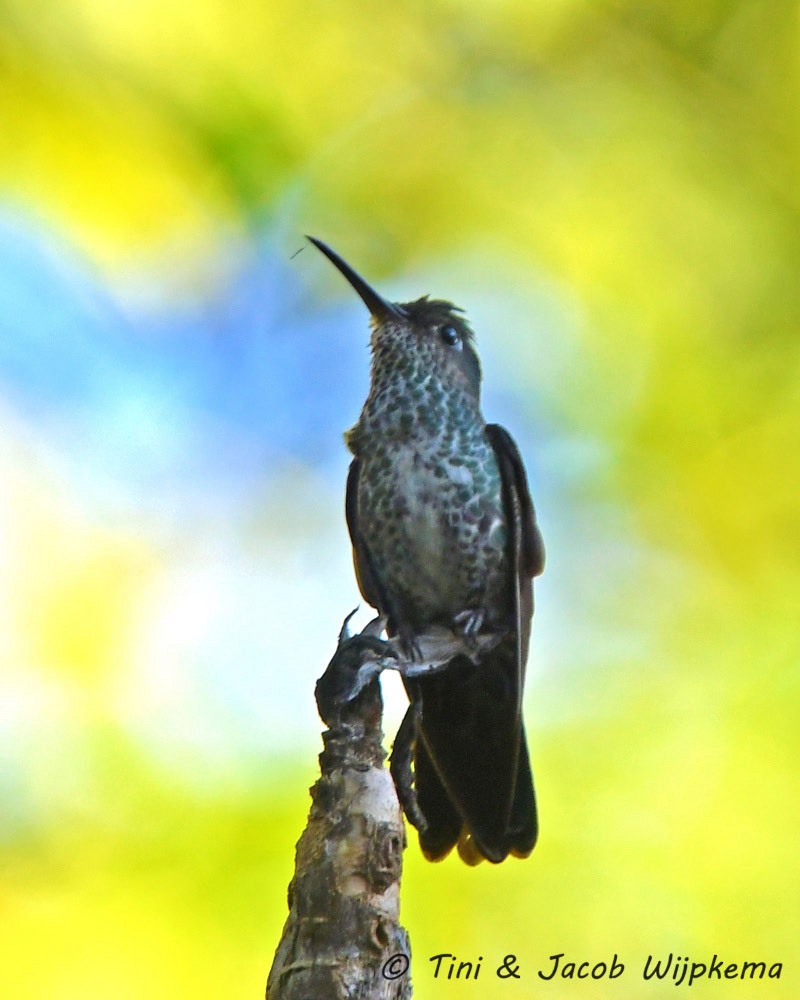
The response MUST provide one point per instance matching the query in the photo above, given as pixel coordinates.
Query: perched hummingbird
(444, 533)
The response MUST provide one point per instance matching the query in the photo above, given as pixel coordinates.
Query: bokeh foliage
(634, 165)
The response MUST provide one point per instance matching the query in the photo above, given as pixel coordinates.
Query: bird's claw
(469, 623)
(410, 648)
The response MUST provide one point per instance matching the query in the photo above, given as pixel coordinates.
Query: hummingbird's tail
(471, 770)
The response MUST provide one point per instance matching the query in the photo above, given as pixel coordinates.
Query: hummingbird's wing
(366, 577)
(472, 772)
(530, 556)
(526, 545)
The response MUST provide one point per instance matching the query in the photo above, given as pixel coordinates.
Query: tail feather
(443, 821)
(472, 773)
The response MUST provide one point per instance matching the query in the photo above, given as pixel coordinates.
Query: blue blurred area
(220, 389)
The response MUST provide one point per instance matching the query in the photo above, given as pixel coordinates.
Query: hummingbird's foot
(470, 623)
(410, 648)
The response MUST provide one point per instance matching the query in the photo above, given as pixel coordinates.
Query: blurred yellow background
(611, 191)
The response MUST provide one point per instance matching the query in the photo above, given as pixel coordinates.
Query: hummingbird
(444, 533)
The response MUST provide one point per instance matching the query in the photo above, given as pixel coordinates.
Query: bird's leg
(400, 763)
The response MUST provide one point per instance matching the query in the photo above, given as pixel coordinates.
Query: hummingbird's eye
(450, 335)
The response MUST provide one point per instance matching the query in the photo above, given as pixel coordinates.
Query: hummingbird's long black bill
(379, 307)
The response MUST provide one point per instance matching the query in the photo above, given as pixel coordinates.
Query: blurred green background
(611, 191)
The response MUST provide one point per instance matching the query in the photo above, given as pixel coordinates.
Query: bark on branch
(342, 938)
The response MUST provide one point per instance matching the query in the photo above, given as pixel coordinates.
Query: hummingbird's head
(413, 340)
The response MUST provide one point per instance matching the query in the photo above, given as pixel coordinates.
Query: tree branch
(342, 938)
